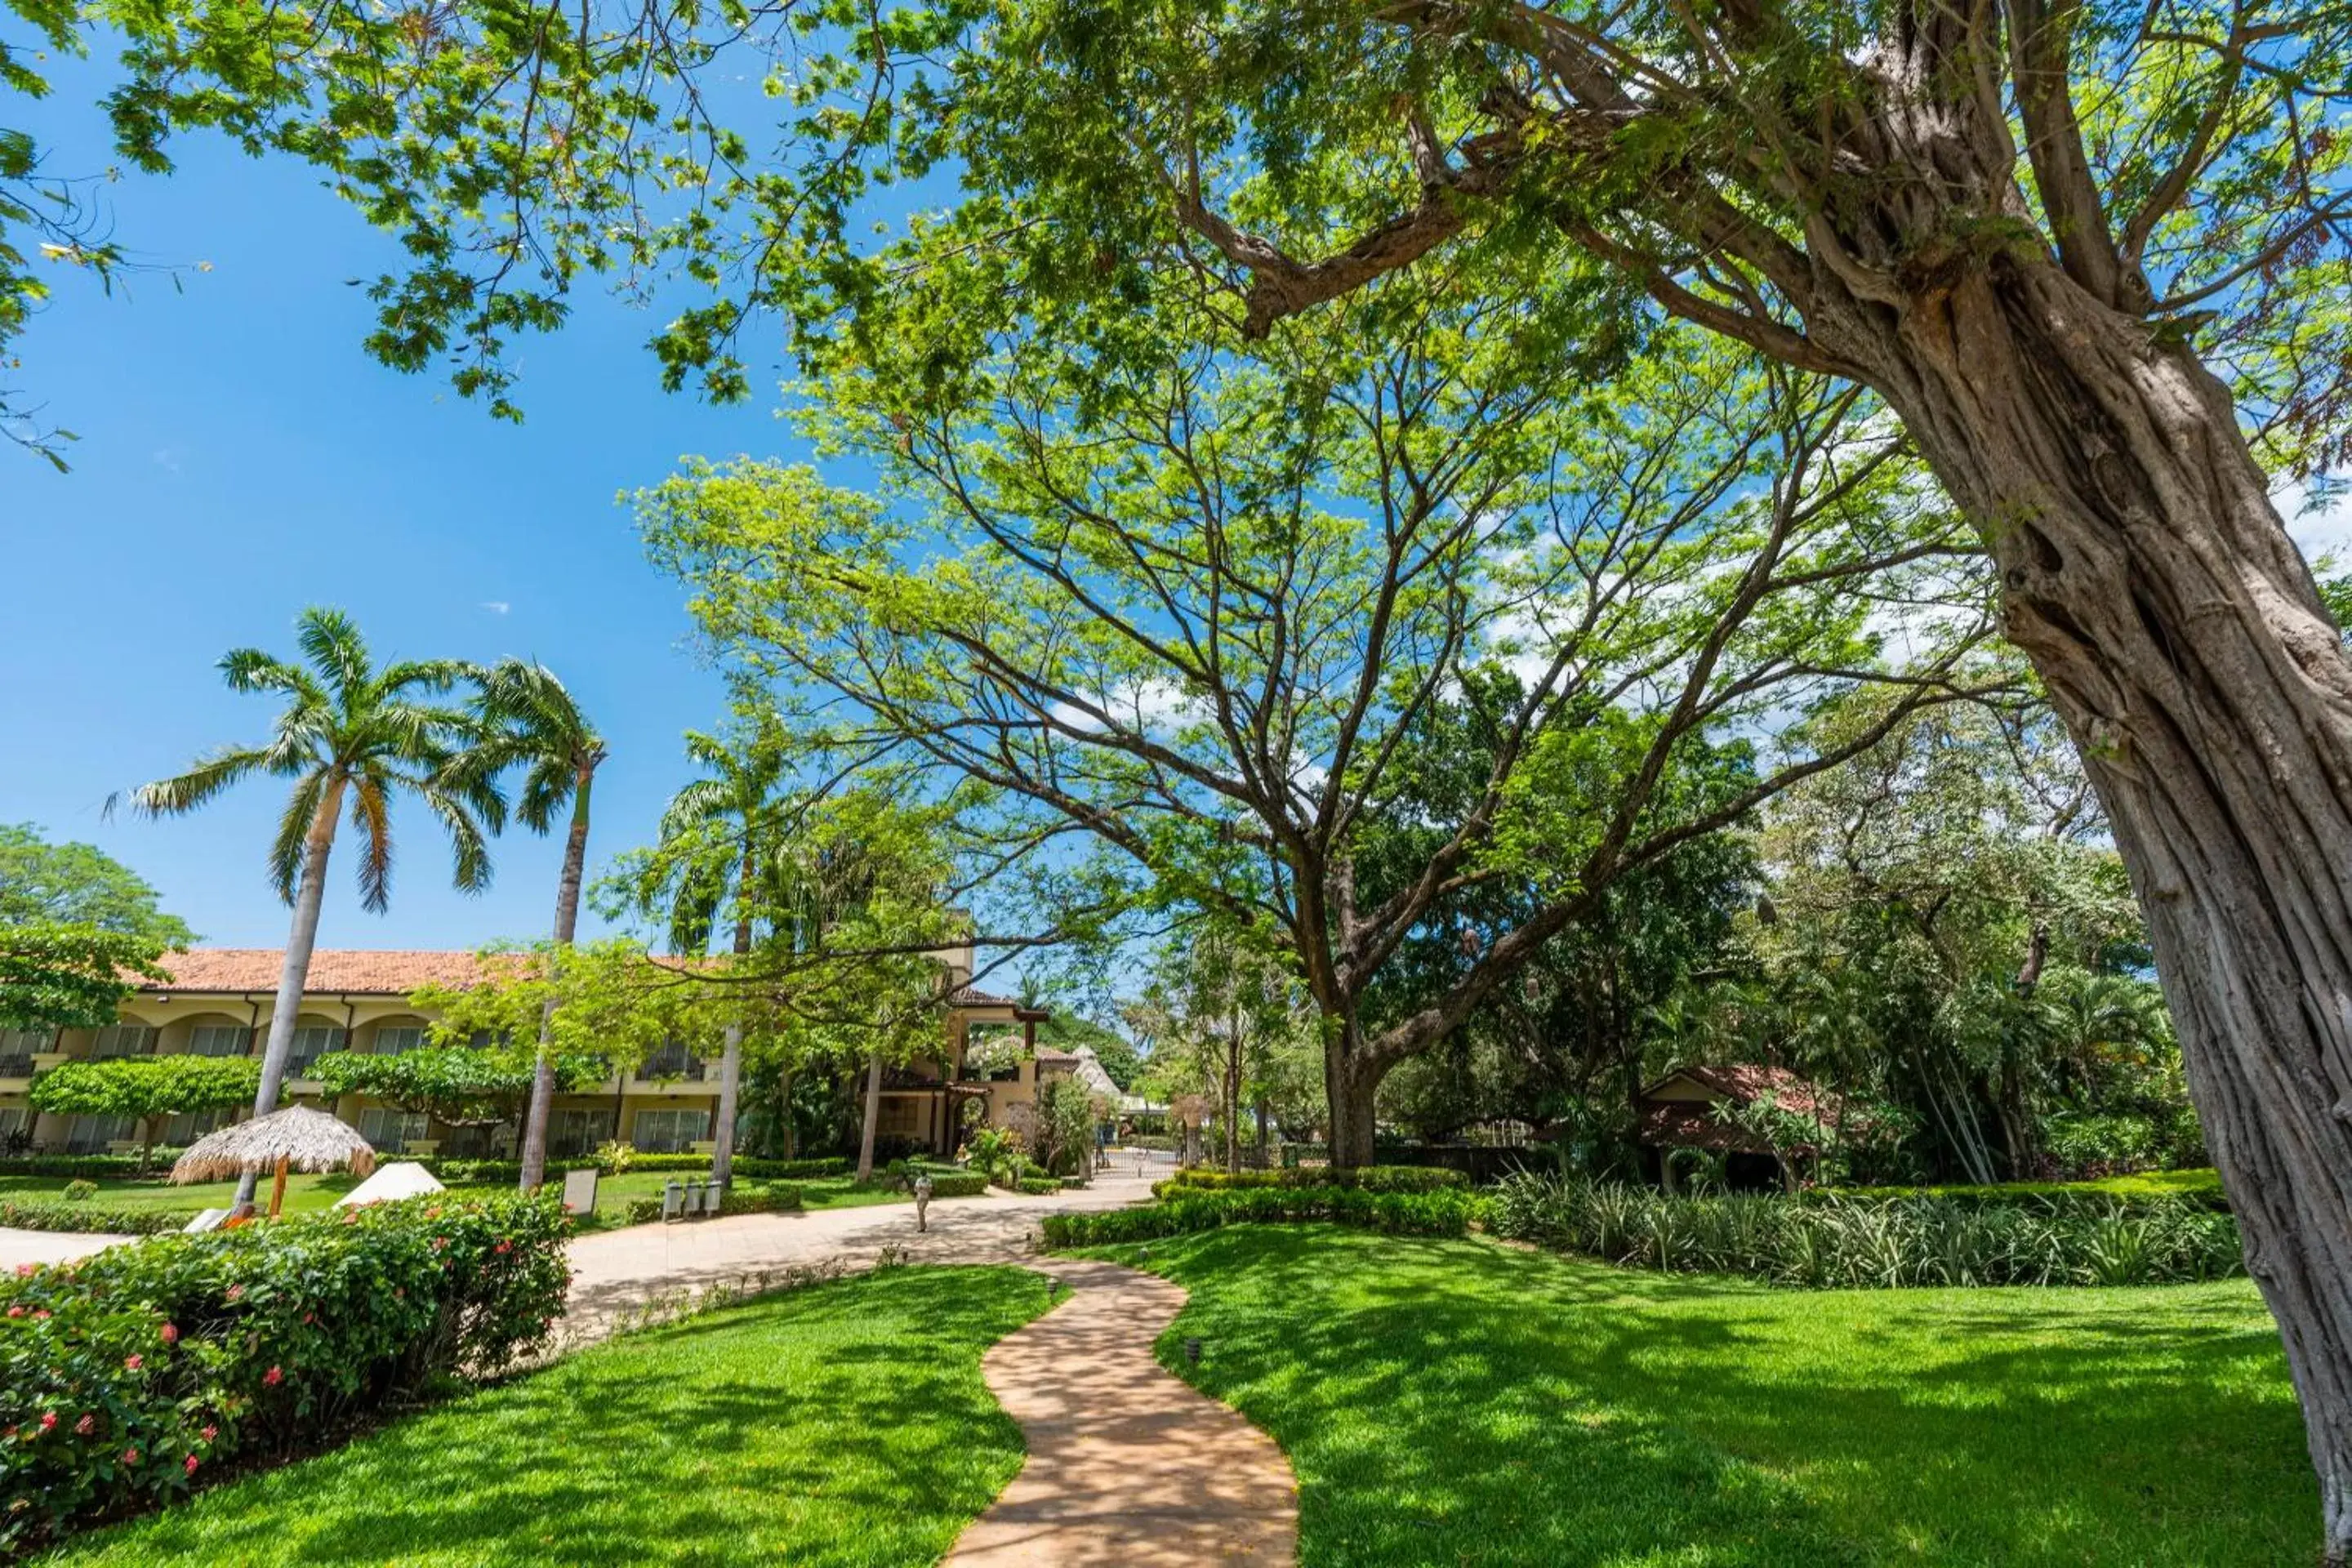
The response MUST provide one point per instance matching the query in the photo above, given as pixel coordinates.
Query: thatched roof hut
(295, 1139)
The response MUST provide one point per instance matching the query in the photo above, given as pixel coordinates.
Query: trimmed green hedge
(1035, 1186)
(89, 1218)
(781, 1198)
(1366, 1178)
(88, 1166)
(124, 1374)
(2151, 1189)
(957, 1184)
(1891, 1242)
(1447, 1212)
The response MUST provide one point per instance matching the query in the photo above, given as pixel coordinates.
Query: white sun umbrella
(400, 1179)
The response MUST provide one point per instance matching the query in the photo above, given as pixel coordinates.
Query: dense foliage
(460, 1085)
(1872, 1246)
(43, 883)
(86, 1217)
(123, 1375)
(55, 976)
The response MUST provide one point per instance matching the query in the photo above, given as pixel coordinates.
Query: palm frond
(371, 814)
(286, 847)
(212, 773)
(331, 641)
(251, 670)
(466, 844)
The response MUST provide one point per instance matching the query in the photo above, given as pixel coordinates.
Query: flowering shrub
(1447, 1212)
(124, 1375)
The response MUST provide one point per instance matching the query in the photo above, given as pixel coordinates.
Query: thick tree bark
(1350, 1079)
(310, 894)
(2145, 573)
(567, 923)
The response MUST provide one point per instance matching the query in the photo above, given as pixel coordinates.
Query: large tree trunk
(567, 923)
(310, 894)
(2145, 573)
(1348, 1082)
(873, 1118)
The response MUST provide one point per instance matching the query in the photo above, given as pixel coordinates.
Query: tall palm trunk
(873, 1118)
(310, 894)
(730, 1065)
(567, 922)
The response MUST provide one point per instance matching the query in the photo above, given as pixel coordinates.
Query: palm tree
(723, 839)
(349, 732)
(530, 720)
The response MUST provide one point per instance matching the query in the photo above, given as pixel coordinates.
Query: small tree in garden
(462, 1085)
(1067, 1112)
(146, 1088)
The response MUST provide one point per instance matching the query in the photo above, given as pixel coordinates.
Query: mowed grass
(843, 1425)
(1460, 1403)
(305, 1194)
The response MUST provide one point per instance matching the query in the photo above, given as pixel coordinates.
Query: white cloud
(497, 606)
(2317, 530)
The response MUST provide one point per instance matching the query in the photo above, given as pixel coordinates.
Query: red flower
(41, 1316)
(191, 1464)
(48, 1419)
(209, 1433)
(503, 1248)
(133, 1362)
(86, 1425)
(130, 1455)
(272, 1378)
(15, 1311)
(171, 1333)
(234, 1291)
(310, 1317)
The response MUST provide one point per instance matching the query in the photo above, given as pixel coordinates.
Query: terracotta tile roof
(356, 970)
(1691, 1124)
(974, 997)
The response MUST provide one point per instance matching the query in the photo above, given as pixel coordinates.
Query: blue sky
(240, 457)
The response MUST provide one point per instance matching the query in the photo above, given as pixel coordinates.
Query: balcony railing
(17, 1066)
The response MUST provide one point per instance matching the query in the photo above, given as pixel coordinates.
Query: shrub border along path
(1127, 1464)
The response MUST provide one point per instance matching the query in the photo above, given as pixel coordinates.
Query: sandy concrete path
(618, 1273)
(19, 1246)
(1127, 1464)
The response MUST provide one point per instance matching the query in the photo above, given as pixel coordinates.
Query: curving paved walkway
(1127, 1464)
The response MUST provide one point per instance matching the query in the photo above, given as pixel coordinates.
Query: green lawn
(302, 1192)
(1460, 1403)
(845, 1425)
(307, 1192)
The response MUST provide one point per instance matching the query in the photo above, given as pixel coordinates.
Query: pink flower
(209, 1433)
(130, 1455)
(171, 1333)
(48, 1420)
(191, 1464)
(86, 1425)
(15, 1311)
(272, 1378)
(26, 1269)
(234, 1291)
(133, 1362)
(41, 1316)
(310, 1317)
(503, 1248)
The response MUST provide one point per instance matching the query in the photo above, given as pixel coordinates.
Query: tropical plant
(351, 736)
(463, 1086)
(530, 720)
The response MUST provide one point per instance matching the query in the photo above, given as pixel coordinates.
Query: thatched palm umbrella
(297, 1138)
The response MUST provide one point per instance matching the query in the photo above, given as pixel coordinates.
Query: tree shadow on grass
(1456, 1402)
(842, 1426)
